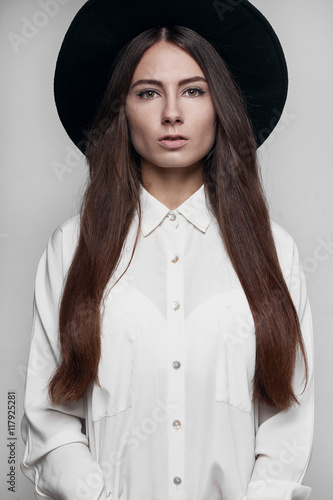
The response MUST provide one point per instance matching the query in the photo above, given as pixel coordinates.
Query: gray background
(43, 175)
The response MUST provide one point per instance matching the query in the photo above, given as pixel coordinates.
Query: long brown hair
(233, 186)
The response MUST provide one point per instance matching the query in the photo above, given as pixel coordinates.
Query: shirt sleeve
(283, 444)
(57, 459)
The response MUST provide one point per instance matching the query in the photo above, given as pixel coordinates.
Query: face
(169, 107)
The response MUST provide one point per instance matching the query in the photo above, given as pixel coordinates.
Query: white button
(175, 258)
(172, 216)
(175, 306)
(177, 480)
(176, 365)
(176, 424)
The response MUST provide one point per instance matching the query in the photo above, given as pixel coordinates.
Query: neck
(172, 185)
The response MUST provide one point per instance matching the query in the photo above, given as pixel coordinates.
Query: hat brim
(239, 32)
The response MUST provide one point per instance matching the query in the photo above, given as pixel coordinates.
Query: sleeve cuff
(67, 473)
(277, 490)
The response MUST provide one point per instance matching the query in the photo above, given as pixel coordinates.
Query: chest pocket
(117, 366)
(235, 358)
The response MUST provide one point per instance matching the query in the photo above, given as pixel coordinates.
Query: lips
(173, 141)
(172, 137)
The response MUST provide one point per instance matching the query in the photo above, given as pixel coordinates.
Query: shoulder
(283, 239)
(66, 232)
(63, 241)
(285, 246)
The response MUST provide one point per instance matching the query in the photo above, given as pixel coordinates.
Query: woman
(181, 365)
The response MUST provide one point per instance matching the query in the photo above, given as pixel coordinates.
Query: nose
(172, 112)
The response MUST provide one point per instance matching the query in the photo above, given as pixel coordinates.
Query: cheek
(209, 124)
(213, 122)
(205, 117)
(211, 118)
(139, 133)
(133, 119)
(134, 126)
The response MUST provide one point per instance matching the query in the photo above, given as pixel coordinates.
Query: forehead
(165, 58)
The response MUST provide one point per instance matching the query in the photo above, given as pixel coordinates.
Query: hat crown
(240, 33)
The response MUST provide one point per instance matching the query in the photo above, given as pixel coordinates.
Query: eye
(149, 93)
(195, 90)
(140, 94)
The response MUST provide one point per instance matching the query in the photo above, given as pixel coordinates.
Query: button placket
(176, 365)
(173, 218)
(176, 343)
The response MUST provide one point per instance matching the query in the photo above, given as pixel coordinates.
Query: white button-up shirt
(173, 418)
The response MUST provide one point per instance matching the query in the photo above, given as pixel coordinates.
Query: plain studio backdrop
(43, 176)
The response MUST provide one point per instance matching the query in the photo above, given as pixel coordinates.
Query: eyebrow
(181, 82)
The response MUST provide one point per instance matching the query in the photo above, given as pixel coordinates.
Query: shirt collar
(195, 209)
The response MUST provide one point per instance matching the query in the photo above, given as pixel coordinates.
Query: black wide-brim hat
(238, 31)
